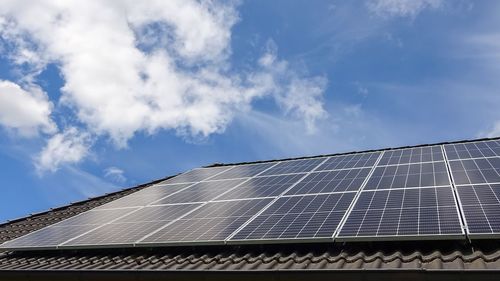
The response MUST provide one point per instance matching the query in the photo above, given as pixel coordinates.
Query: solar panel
(473, 150)
(481, 206)
(197, 175)
(403, 214)
(213, 222)
(132, 227)
(298, 217)
(201, 192)
(294, 166)
(146, 196)
(63, 231)
(395, 194)
(266, 186)
(409, 175)
(412, 155)
(474, 171)
(244, 171)
(331, 181)
(349, 161)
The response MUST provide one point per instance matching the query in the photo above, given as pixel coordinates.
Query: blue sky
(98, 96)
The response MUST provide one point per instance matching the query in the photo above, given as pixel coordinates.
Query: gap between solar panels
(449, 191)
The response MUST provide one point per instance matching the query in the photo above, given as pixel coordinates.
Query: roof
(409, 258)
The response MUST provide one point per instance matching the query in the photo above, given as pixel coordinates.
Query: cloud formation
(67, 147)
(401, 8)
(25, 111)
(146, 66)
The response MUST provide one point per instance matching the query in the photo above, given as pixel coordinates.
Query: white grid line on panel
(273, 201)
(356, 197)
(456, 196)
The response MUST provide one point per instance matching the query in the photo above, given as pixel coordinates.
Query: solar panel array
(429, 192)
(475, 169)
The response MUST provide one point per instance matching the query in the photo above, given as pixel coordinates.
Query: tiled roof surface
(424, 255)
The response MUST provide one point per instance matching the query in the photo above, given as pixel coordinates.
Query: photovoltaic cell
(197, 175)
(409, 175)
(146, 196)
(200, 192)
(134, 226)
(58, 233)
(331, 181)
(350, 161)
(474, 171)
(294, 166)
(214, 221)
(403, 212)
(473, 150)
(412, 155)
(243, 171)
(481, 206)
(268, 186)
(298, 217)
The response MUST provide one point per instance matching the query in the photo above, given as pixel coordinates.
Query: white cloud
(68, 147)
(145, 66)
(401, 8)
(494, 131)
(115, 174)
(26, 111)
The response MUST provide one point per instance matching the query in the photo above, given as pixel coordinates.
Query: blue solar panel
(403, 213)
(298, 217)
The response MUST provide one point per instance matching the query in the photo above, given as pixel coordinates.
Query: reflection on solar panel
(294, 166)
(214, 221)
(409, 175)
(198, 175)
(146, 196)
(298, 217)
(392, 194)
(412, 155)
(403, 212)
(200, 192)
(350, 161)
(125, 230)
(56, 234)
(332, 181)
(244, 171)
(268, 186)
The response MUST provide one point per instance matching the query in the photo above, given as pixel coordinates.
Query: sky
(96, 96)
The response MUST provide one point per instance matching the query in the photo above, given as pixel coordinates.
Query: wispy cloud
(115, 174)
(68, 147)
(401, 8)
(132, 67)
